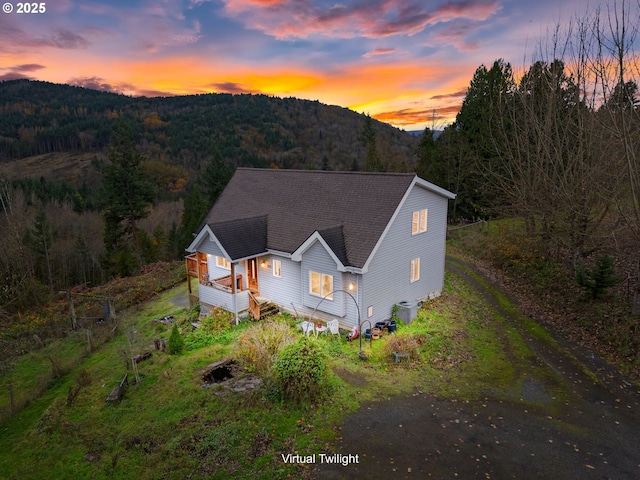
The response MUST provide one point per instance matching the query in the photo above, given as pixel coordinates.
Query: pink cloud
(379, 18)
(17, 72)
(456, 34)
(379, 51)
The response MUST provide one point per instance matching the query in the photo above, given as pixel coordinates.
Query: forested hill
(40, 118)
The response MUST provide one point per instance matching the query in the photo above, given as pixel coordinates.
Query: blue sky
(405, 62)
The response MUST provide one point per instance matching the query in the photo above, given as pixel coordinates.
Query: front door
(252, 274)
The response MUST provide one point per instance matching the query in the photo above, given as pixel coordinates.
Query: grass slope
(169, 426)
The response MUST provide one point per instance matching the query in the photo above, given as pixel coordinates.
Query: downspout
(233, 292)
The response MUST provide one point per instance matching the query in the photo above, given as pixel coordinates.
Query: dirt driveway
(580, 429)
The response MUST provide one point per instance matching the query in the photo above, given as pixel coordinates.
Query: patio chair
(307, 327)
(333, 327)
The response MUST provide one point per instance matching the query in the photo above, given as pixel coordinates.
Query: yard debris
(166, 320)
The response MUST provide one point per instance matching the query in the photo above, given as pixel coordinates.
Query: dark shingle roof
(243, 237)
(349, 209)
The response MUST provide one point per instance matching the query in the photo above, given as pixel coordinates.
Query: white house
(345, 245)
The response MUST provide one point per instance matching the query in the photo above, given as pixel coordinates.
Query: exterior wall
(317, 259)
(212, 251)
(218, 298)
(283, 290)
(388, 280)
(351, 309)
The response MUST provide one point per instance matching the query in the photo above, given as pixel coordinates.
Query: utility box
(407, 311)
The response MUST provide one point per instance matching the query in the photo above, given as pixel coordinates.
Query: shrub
(198, 339)
(218, 321)
(300, 370)
(257, 348)
(402, 342)
(175, 344)
(598, 278)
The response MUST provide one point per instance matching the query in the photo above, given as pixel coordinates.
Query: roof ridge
(323, 172)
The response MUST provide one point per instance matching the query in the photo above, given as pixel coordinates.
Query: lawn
(169, 426)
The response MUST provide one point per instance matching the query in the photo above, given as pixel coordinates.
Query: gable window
(419, 222)
(223, 263)
(277, 268)
(415, 270)
(321, 285)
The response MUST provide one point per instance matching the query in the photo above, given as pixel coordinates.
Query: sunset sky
(401, 61)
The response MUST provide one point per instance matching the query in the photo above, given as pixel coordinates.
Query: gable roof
(268, 209)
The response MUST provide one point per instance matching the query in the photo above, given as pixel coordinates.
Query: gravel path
(593, 433)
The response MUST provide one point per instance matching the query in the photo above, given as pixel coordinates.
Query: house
(344, 245)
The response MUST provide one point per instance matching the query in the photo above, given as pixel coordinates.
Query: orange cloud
(419, 116)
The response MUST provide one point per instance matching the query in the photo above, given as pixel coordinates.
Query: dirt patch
(350, 377)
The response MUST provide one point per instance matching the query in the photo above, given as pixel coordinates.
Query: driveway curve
(590, 431)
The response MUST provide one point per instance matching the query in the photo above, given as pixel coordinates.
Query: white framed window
(223, 263)
(277, 268)
(415, 270)
(321, 285)
(419, 222)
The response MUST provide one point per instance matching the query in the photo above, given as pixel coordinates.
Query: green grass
(170, 427)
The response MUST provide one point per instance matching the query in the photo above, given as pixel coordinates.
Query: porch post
(233, 292)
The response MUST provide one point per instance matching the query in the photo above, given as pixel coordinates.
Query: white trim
(415, 270)
(435, 188)
(328, 295)
(273, 268)
(206, 230)
(421, 224)
(222, 262)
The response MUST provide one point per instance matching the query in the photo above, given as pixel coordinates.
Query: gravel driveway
(590, 431)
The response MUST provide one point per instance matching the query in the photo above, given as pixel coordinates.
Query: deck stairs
(261, 307)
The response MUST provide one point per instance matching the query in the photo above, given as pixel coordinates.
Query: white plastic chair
(307, 327)
(333, 327)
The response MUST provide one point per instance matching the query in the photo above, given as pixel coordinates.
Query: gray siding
(218, 298)
(211, 248)
(388, 280)
(317, 259)
(284, 290)
(350, 308)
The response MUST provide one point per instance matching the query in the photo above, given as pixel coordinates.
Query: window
(321, 285)
(277, 268)
(415, 270)
(419, 222)
(223, 263)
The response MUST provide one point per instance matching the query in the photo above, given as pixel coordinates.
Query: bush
(300, 370)
(598, 278)
(257, 348)
(175, 344)
(402, 342)
(218, 321)
(198, 339)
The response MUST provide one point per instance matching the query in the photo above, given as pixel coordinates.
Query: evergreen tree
(38, 239)
(372, 162)
(126, 195)
(215, 177)
(193, 213)
(427, 155)
(175, 345)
